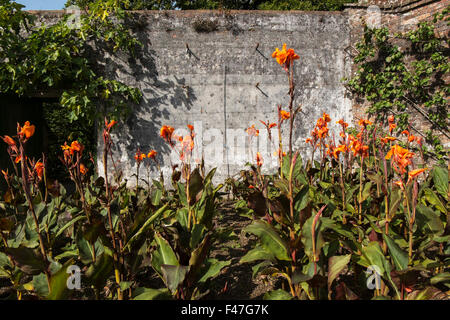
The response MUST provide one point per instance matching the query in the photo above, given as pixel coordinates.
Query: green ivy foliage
(409, 78)
(57, 60)
(323, 5)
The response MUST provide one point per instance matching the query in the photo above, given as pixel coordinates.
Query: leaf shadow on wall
(160, 98)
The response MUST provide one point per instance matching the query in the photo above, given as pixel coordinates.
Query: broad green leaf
(278, 294)
(399, 257)
(68, 224)
(195, 184)
(440, 178)
(156, 197)
(182, 194)
(306, 236)
(213, 268)
(182, 217)
(372, 255)
(336, 265)
(301, 199)
(395, 200)
(146, 225)
(163, 255)
(173, 275)
(58, 283)
(366, 191)
(98, 273)
(197, 232)
(257, 253)
(434, 200)
(441, 277)
(269, 238)
(40, 285)
(428, 221)
(28, 260)
(151, 294)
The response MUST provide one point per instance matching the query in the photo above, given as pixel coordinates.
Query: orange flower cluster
(152, 154)
(284, 115)
(321, 129)
(39, 169)
(401, 158)
(139, 156)
(358, 148)
(72, 149)
(166, 133)
(340, 149)
(186, 143)
(392, 125)
(285, 57)
(83, 169)
(10, 141)
(386, 139)
(252, 131)
(27, 130)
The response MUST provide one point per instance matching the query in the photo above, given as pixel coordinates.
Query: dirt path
(235, 281)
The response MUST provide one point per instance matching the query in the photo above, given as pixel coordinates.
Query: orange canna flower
(342, 123)
(285, 115)
(191, 127)
(398, 151)
(18, 159)
(405, 132)
(401, 158)
(252, 131)
(268, 125)
(39, 168)
(411, 138)
(110, 125)
(340, 149)
(386, 139)
(83, 169)
(364, 123)
(166, 133)
(76, 146)
(326, 117)
(27, 130)
(139, 156)
(259, 160)
(308, 140)
(152, 154)
(284, 57)
(414, 173)
(323, 132)
(10, 141)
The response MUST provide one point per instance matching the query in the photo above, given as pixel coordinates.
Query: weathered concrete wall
(208, 79)
(213, 70)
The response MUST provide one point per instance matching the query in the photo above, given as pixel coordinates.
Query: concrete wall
(212, 85)
(202, 68)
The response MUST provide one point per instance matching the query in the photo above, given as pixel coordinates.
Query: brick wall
(399, 16)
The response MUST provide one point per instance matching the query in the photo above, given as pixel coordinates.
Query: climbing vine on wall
(60, 60)
(38, 58)
(404, 74)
